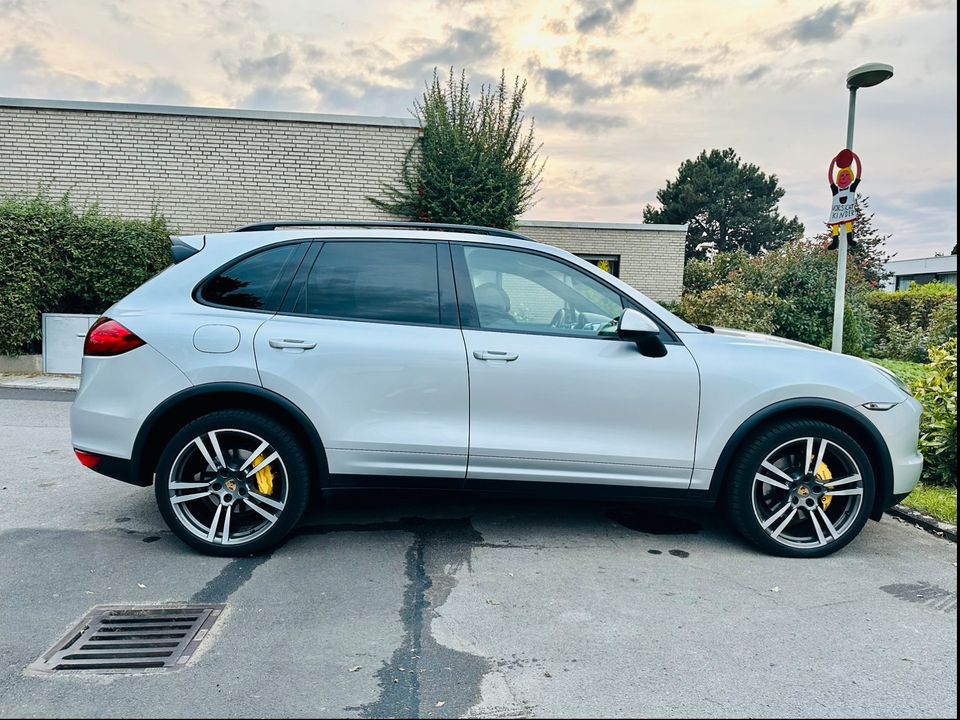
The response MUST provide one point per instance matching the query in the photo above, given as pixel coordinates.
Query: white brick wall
(204, 173)
(651, 259)
(209, 170)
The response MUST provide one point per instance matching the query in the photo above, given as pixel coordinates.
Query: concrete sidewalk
(39, 382)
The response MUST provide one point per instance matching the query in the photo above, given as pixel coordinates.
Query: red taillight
(88, 460)
(108, 337)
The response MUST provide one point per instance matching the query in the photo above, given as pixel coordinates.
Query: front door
(367, 344)
(554, 394)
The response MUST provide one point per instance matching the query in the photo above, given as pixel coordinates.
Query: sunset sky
(622, 90)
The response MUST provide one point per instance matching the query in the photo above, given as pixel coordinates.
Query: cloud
(460, 47)
(272, 97)
(826, 24)
(25, 72)
(601, 15)
(757, 73)
(268, 67)
(575, 119)
(560, 81)
(666, 76)
(359, 95)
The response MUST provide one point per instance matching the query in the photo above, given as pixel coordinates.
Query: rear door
(368, 345)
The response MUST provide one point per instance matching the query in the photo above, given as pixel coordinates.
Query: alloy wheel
(228, 486)
(807, 493)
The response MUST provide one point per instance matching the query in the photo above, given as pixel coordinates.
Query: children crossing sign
(844, 180)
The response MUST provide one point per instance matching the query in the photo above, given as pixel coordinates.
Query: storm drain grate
(125, 638)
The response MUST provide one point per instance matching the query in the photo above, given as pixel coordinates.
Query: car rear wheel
(232, 483)
(801, 488)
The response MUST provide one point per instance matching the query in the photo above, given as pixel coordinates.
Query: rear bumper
(118, 469)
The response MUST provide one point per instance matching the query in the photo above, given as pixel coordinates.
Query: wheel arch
(186, 405)
(842, 416)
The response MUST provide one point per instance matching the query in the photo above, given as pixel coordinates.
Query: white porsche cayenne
(287, 357)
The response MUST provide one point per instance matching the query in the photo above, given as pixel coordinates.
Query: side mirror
(637, 327)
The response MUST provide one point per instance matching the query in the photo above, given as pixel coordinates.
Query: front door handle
(495, 355)
(281, 343)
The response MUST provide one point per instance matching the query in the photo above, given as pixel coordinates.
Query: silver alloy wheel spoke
(820, 453)
(225, 538)
(782, 525)
(262, 464)
(214, 523)
(188, 485)
(826, 521)
(206, 453)
(770, 481)
(260, 510)
(816, 526)
(808, 457)
(851, 491)
(842, 481)
(216, 448)
(255, 454)
(776, 516)
(776, 471)
(177, 499)
(265, 500)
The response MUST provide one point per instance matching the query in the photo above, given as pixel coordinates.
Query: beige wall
(203, 172)
(651, 256)
(213, 169)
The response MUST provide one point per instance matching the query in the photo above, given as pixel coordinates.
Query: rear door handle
(495, 355)
(281, 343)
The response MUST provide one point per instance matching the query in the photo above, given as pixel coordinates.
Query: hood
(755, 338)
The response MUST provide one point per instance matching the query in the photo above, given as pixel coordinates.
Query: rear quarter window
(256, 282)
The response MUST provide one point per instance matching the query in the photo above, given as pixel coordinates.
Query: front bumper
(900, 429)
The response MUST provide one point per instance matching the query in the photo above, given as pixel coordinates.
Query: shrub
(728, 305)
(937, 391)
(909, 322)
(53, 259)
(802, 276)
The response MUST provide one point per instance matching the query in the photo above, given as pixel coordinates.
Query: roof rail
(478, 229)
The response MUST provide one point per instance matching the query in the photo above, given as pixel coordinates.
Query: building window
(607, 263)
(905, 281)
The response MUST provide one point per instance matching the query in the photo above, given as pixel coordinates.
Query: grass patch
(941, 502)
(907, 371)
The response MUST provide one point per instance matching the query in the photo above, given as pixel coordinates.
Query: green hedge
(54, 258)
(910, 322)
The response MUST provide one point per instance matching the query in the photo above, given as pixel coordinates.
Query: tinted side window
(385, 281)
(256, 281)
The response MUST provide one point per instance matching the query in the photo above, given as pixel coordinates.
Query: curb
(930, 524)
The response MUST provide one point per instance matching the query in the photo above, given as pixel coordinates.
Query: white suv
(287, 357)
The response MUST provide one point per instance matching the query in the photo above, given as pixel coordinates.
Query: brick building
(214, 169)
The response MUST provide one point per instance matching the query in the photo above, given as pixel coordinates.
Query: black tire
(236, 432)
(752, 502)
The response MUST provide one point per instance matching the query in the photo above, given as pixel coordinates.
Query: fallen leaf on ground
(141, 585)
(775, 589)
(355, 668)
(440, 703)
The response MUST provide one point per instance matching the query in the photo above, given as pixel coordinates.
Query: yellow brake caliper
(264, 477)
(824, 476)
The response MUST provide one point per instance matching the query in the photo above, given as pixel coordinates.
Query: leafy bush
(801, 276)
(937, 391)
(728, 305)
(477, 161)
(909, 322)
(54, 259)
(909, 372)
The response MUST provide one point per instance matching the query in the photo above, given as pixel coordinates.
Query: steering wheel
(560, 318)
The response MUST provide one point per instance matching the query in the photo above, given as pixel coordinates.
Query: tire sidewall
(740, 489)
(279, 437)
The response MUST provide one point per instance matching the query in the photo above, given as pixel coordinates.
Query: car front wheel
(232, 483)
(800, 488)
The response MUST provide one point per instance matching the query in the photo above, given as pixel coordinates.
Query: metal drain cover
(131, 638)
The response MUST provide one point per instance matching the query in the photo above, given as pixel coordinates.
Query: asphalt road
(411, 605)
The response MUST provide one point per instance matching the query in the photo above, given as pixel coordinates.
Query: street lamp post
(861, 77)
